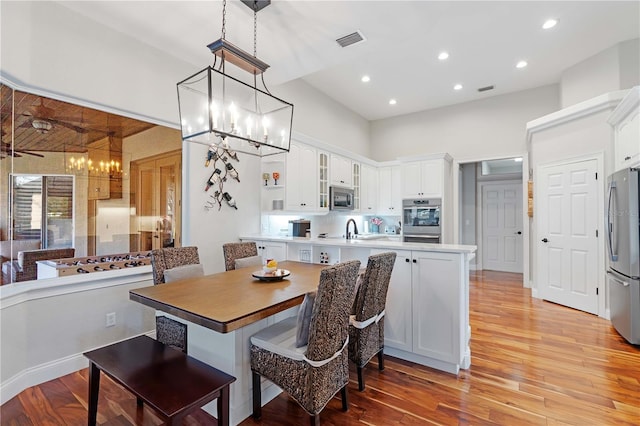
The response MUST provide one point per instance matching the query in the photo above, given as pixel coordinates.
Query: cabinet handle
(406, 260)
(415, 261)
(628, 157)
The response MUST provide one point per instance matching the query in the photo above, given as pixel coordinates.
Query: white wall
(318, 116)
(44, 333)
(489, 128)
(612, 69)
(468, 204)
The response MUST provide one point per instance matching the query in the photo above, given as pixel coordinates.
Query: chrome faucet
(355, 229)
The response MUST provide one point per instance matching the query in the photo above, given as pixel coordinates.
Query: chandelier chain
(224, 18)
(255, 29)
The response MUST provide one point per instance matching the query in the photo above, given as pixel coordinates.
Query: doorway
(470, 181)
(157, 200)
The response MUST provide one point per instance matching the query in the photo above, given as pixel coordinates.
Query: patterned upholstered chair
(233, 251)
(169, 331)
(310, 374)
(366, 324)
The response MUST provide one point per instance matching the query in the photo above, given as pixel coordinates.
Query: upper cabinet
(625, 120)
(390, 201)
(368, 189)
(302, 184)
(423, 179)
(341, 172)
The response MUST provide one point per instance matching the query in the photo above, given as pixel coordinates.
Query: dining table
(224, 309)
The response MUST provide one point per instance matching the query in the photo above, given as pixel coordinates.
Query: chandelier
(224, 112)
(81, 164)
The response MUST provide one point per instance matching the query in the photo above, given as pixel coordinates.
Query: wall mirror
(75, 176)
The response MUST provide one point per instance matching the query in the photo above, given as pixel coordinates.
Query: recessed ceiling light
(521, 64)
(365, 79)
(549, 23)
(443, 55)
(392, 102)
(457, 87)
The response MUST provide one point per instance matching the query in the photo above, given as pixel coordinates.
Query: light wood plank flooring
(533, 362)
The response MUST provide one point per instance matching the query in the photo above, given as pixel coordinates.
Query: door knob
(519, 232)
(544, 240)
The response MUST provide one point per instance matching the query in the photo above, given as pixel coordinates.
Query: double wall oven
(421, 220)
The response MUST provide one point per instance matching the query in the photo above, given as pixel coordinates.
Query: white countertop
(366, 243)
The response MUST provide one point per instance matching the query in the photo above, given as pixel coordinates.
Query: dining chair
(313, 373)
(182, 262)
(366, 324)
(234, 251)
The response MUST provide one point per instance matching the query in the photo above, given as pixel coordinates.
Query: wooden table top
(229, 300)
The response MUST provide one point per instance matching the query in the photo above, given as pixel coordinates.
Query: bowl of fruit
(270, 265)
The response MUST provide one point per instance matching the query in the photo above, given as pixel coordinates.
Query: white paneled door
(567, 215)
(502, 227)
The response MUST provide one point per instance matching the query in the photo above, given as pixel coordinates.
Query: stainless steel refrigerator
(623, 240)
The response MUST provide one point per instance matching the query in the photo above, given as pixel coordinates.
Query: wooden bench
(168, 380)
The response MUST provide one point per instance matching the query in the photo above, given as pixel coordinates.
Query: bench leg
(223, 407)
(94, 387)
(257, 396)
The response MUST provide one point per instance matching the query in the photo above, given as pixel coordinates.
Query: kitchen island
(427, 311)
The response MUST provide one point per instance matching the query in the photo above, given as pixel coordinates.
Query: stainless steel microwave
(340, 198)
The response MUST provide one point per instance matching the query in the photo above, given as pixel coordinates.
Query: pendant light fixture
(228, 114)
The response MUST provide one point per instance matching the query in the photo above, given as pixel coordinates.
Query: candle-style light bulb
(249, 124)
(265, 126)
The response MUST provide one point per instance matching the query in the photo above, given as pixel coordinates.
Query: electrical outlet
(111, 319)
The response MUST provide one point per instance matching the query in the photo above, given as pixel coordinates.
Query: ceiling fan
(6, 151)
(43, 119)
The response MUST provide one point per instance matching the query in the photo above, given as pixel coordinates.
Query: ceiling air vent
(485, 88)
(350, 39)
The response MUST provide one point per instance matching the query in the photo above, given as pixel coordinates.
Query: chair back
(233, 251)
(167, 258)
(371, 296)
(329, 326)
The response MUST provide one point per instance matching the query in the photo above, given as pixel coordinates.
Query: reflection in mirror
(81, 178)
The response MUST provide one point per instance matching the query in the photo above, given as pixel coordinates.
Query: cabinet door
(397, 319)
(627, 148)
(308, 177)
(341, 171)
(431, 179)
(396, 197)
(412, 179)
(438, 306)
(390, 201)
(272, 250)
(368, 189)
(293, 189)
(356, 178)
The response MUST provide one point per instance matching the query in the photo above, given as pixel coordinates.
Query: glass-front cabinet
(323, 180)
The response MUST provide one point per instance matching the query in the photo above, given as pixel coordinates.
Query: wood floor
(533, 362)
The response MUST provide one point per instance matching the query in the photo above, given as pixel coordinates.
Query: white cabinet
(397, 318)
(341, 173)
(427, 312)
(272, 250)
(423, 179)
(356, 179)
(389, 202)
(301, 191)
(368, 189)
(626, 122)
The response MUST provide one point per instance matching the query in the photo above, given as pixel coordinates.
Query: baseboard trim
(43, 373)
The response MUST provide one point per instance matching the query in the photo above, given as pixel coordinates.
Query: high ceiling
(403, 39)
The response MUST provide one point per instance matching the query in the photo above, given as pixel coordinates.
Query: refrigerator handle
(614, 278)
(610, 239)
